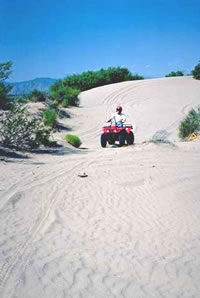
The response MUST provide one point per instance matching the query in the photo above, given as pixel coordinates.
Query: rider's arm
(123, 119)
(111, 118)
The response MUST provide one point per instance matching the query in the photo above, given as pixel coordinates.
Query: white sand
(131, 228)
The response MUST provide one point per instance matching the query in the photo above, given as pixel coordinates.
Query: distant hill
(26, 87)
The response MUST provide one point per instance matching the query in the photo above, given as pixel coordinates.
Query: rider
(117, 117)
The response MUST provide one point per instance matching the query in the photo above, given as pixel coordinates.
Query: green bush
(49, 117)
(92, 79)
(21, 99)
(4, 89)
(178, 73)
(21, 131)
(73, 140)
(37, 95)
(65, 92)
(190, 124)
(196, 72)
(64, 95)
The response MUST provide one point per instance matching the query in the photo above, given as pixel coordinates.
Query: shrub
(92, 79)
(4, 89)
(37, 95)
(21, 99)
(42, 136)
(196, 72)
(49, 117)
(64, 95)
(190, 124)
(73, 140)
(21, 131)
(178, 73)
(65, 92)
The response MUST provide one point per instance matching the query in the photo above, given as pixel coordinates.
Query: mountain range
(26, 87)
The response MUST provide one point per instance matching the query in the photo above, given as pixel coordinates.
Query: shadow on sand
(7, 153)
(60, 150)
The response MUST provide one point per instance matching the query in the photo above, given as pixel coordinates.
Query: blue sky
(49, 38)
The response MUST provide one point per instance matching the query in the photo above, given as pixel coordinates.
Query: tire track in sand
(20, 255)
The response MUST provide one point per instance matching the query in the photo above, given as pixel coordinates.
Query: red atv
(117, 132)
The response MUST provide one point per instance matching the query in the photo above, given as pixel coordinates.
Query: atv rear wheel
(103, 140)
(121, 138)
(130, 138)
(111, 140)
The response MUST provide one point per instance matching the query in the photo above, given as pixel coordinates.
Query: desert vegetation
(92, 79)
(4, 89)
(196, 72)
(73, 140)
(36, 96)
(64, 95)
(18, 128)
(191, 124)
(49, 117)
(22, 131)
(178, 73)
(65, 92)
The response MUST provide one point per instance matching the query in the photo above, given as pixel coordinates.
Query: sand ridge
(129, 229)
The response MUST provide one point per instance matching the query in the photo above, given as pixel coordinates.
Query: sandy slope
(131, 228)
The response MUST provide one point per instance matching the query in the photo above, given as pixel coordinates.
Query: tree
(196, 72)
(4, 89)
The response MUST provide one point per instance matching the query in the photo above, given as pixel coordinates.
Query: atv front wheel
(130, 138)
(103, 140)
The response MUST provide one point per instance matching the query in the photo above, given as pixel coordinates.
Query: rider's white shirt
(115, 117)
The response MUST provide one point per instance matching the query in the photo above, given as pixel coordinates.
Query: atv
(117, 132)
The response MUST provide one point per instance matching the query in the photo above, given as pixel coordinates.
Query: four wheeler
(117, 132)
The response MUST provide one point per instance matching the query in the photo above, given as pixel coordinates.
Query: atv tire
(103, 140)
(130, 138)
(111, 140)
(121, 139)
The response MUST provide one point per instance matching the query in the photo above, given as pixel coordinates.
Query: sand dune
(131, 228)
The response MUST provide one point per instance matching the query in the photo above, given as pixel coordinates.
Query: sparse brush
(65, 92)
(21, 131)
(191, 124)
(73, 140)
(92, 79)
(37, 95)
(49, 117)
(196, 72)
(178, 73)
(64, 95)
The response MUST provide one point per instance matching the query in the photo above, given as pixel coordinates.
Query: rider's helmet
(119, 108)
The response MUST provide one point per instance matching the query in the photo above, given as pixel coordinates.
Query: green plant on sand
(73, 140)
(21, 131)
(191, 124)
(49, 117)
(196, 71)
(178, 73)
